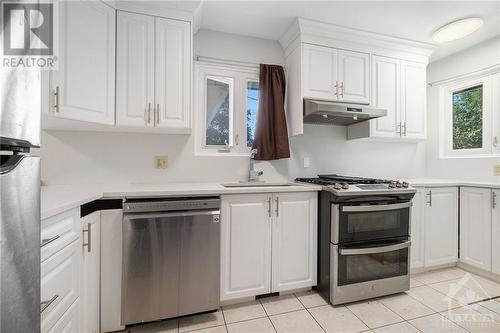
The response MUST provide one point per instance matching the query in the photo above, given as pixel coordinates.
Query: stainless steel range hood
(330, 113)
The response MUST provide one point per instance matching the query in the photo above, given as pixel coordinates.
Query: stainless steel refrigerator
(19, 201)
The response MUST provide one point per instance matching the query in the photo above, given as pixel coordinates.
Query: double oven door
(369, 250)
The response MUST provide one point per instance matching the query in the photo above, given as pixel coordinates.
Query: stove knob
(392, 185)
(345, 186)
(406, 185)
(337, 186)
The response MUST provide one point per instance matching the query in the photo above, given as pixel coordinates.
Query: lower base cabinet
(495, 232)
(434, 227)
(268, 243)
(69, 321)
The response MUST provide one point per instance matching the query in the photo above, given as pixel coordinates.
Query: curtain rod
(228, 62)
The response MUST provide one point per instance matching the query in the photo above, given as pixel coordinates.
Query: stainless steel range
(364, 237)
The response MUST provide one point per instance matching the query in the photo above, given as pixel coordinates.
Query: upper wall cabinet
(153, 72)
(83, 88)
(336, 75)
(338, 64)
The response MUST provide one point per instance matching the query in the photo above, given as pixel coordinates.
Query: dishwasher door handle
(148, 215)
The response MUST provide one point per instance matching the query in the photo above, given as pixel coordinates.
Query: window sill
(470, 156)
(220, 154)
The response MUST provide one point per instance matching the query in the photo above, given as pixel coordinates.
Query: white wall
(91, 157)
(476, 58)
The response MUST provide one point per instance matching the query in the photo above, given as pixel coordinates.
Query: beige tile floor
(446, 300)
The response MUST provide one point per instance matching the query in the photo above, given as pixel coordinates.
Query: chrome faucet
(252, 174)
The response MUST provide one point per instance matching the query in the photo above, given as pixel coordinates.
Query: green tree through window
(468, 118)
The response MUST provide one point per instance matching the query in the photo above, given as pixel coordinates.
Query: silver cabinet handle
(493, 199)
(342, 89)
(49, 240)
(336, 88)
(89, 237)
(56, 99)
(376, 208)
(45, 304)
(404, 126)
(400, 129)
(372, 250)
(277, 206)
(149, 113)
(269, 206)
(157, 114)
(430, 198)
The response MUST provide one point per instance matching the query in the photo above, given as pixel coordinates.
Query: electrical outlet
(496, 169)
(161, 162)
(307, 162)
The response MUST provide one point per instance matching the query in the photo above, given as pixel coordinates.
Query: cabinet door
(441, 226)
(320, 72)
(85, 80)
(413, 99)
(475, 227)
(417, 229)
(495, 232)
(386, 94)
(69, 321)
(354, 77)
(172, 73)
(294, 241)
(91, 250)
(245, 245)
(135, 70)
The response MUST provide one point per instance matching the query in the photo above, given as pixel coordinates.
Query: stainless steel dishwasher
(171, 257)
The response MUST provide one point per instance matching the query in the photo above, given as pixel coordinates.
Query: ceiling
(404, 19)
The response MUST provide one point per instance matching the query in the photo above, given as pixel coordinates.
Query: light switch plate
(496, 169)
(307, 162)
(161, 162)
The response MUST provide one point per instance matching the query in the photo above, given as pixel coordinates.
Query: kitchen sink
(255, 184)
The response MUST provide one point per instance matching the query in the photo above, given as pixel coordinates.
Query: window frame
(446, 123)
(240, 76)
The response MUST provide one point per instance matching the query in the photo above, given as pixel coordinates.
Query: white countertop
(56, 199)
(429, 182)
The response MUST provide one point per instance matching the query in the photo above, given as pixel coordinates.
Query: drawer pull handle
(45, 304)
(89, 237)
(49, 240)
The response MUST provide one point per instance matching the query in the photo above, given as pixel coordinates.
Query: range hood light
(457, 29)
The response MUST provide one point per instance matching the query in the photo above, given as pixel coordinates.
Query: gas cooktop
(347, 185)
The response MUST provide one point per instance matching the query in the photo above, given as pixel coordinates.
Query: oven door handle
(376, 208)
(371, 250)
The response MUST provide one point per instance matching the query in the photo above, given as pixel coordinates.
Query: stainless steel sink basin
(255, 184)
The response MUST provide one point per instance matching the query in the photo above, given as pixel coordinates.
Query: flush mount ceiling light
(457, 29)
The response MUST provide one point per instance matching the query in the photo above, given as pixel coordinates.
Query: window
(227, 99)
(467, 111)
(468, 118)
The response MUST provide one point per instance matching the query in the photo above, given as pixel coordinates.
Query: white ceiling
(410, 20)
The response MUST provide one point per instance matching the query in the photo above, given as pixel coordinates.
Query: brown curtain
(271, 135)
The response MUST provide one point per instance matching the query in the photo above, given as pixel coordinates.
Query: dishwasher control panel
(169, 204)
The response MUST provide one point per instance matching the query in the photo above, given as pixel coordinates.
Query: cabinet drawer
(59, 283)
(69, 321)
(58, 232)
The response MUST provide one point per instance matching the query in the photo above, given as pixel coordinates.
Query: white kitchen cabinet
(441, 226)
(417, 229)
(173, 73)
(413, 99)
(69, 321)
(153, 72)
(91, 248)
(83, 87)
(495, 232)
(268, 243)
(338, 75)
(354, 77)
(245, 245)
(294, 241)
(386, 94)
(135, 70)
(320, 72)
(475, 227)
